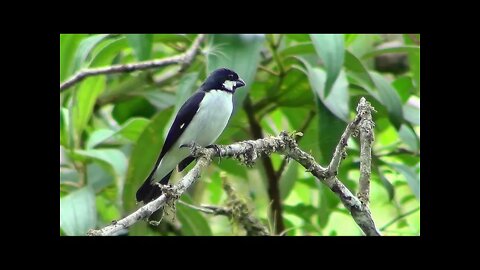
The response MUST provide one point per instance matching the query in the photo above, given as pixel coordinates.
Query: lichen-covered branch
(184, 59)
(366, 138)
(236, 210)
(247, 152)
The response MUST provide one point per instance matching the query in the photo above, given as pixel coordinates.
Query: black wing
(184, 117)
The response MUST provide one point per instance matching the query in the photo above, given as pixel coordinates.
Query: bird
(200, 120)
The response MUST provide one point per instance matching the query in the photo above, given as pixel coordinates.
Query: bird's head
(223, 79)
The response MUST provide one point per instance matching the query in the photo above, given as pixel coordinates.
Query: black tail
(150, 191)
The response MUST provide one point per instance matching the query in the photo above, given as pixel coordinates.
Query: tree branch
(366, 138)
(247, 152)
(183, 59)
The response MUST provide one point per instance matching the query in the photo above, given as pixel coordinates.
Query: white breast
(211, 118)
(206, 126)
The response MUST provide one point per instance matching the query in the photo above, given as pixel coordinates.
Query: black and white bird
(200, 120)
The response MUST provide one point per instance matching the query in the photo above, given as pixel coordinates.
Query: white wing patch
(229, 84)
(182, 125)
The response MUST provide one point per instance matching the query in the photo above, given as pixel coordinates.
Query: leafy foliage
(112, 128)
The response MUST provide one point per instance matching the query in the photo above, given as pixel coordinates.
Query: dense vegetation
(112, 128)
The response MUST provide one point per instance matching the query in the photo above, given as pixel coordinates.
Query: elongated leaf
(328, 201)
(298, 37)
(161, 100)
(386, 184)
(144, 155)
(105, 52)
(330, 48)
(68, 46)
(185, 89)
(404, 87)
(133, 128)
(408, 136)
(330, 111)
(64, 127)
(141, 44)
(98, 177)
(112, 157)
(288, 179)
(411, 176)
(170, 38)
(98, 136)
(399, 49)
(355, 68)
(298, 49)
(414, 59)
(389, 98)
(78, 212)
(193, 223)
(85, 98)
(135, 107)
(84, 49)
(411, 114)
(240, 53)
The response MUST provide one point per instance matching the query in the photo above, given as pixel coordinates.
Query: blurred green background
(112, 128)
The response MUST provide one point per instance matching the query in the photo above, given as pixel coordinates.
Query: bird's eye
(230, 76)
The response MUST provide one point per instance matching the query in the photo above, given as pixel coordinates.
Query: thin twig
(183, 59)
(384, 227)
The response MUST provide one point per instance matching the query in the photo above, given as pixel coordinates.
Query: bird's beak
(240, 83)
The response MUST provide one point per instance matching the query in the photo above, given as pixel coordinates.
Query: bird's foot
(215, 147)
(191, 145)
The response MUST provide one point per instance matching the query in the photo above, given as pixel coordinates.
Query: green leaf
(78, 212)
(141, 44)
(161, 100)
(386, 184)
(135, 107)
(330, 48)
(85, 98)
(114, 158)
(288, 179)
(389, 98)
(98, 177)
(240, 53)
(356, 69)
(298, 49)
(164, 38)
(409, 137)
(303, 211)
(414, 62)
(144, 155)
(404, 87)
(332, 112)
(398, 49)
(193, 223)
(185, 89)
(413, 179)
(64, 127)
(298, 37)
(98, 136)
(411, 114)
(84, 49)
(68, 46)
(328, 201)
(132, 129)
(105, 52)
